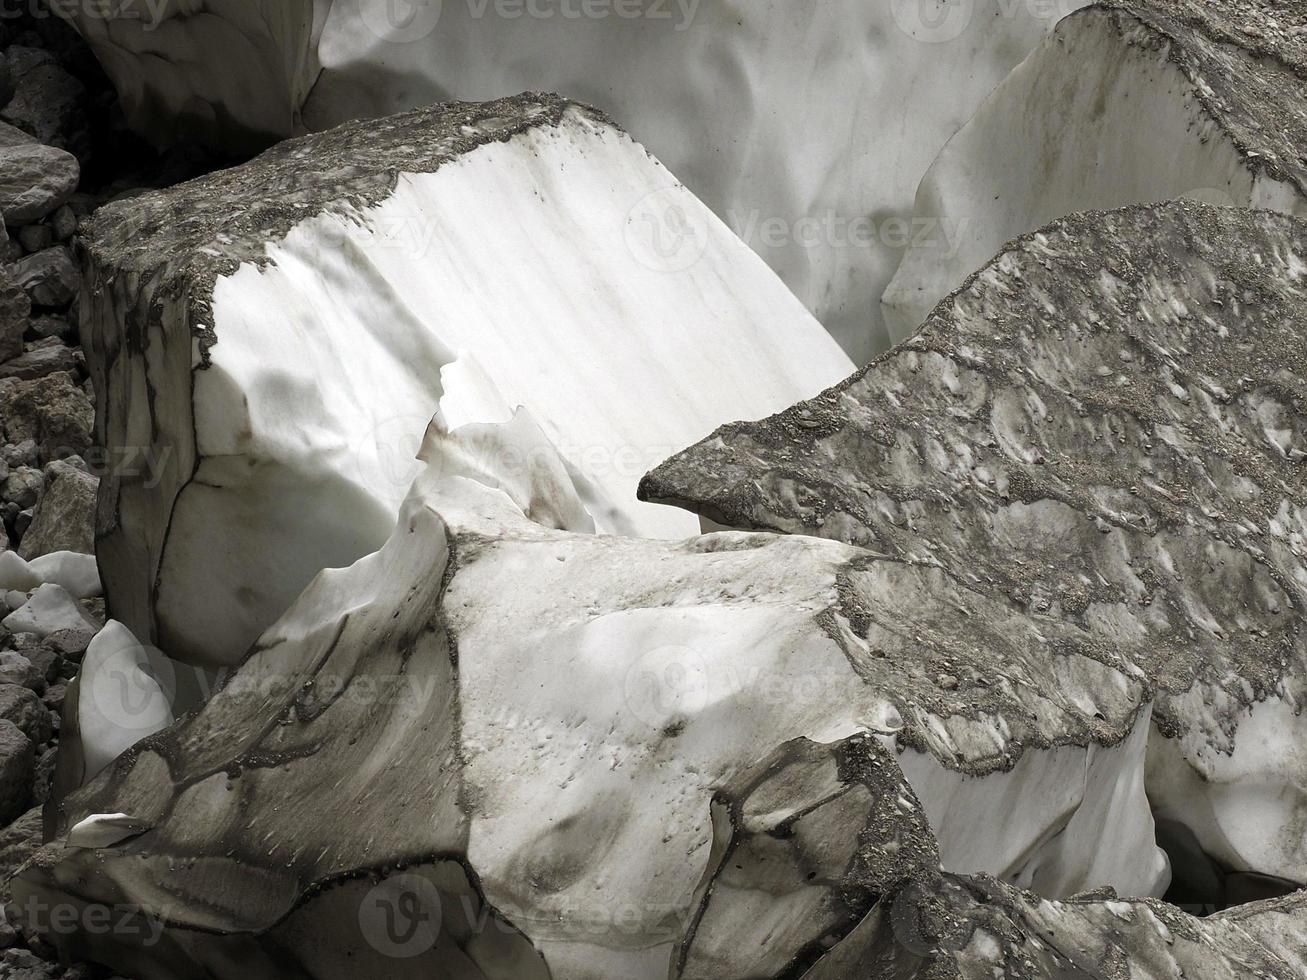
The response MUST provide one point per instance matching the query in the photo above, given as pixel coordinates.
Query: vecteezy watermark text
(407, 21)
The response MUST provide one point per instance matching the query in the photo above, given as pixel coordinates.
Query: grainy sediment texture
(1104, 430)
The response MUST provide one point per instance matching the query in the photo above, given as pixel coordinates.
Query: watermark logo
(667, 684)
(388, 452)
(400, 917)
(400, 21)
(132, 690)
(933, 21)
(130, 922)
(942, 21)
(665, 232)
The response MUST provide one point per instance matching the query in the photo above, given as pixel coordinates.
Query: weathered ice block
(804, 126)
(1124, 103)
(583, 756)
(270, 342)
(1103, 430)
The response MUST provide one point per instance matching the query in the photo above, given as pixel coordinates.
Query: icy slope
(232, 72)
(1104, 431)
(277, 337)
(804, 126)
(1125, 103)
(596, 756)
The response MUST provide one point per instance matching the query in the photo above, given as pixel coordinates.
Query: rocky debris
(1124, 103)
(25, 709)
(12, 136)
(234, 504)
(41, 358)
(16, 669)
(70, 643)
(1102, 429)
(34, 180)
(52, 411)
(718, 729)
(22, 487)
(17, 763)
(48, 101)
(806, 135)
(19, 841)
(49, 276)
(15, 307)
(52, 326)
(64, 516)
(978, 929)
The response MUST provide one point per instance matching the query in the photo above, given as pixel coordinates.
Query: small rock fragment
(34, 180)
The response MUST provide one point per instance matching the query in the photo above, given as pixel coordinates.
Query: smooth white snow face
(49, 609)
(1061, 821)
(103, 830)
(122, 695)
(1245, 801)
(1096, 118)
(75, 573)
(805, 126)
(524, 273)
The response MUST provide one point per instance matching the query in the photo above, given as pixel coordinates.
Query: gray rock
(15, 307)
(51, 326)
(41, 358)
(35, 238)
(48, 101)
(7, 87)
(18, 842)
(43, 774)
(18, 670)
(54, 695)
(25, 709)
(70, 643)
(22, 487)
(34, 180)
(64, 223)
(22, 521)
(19, 452)
(49, 662)
(22, 964)
(65, 513)
(52, 411)
(13, 136)
(17, 765)
(50, 277)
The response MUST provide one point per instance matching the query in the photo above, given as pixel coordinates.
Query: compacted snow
(477, 260)
(804, 126)
(1118, 106)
